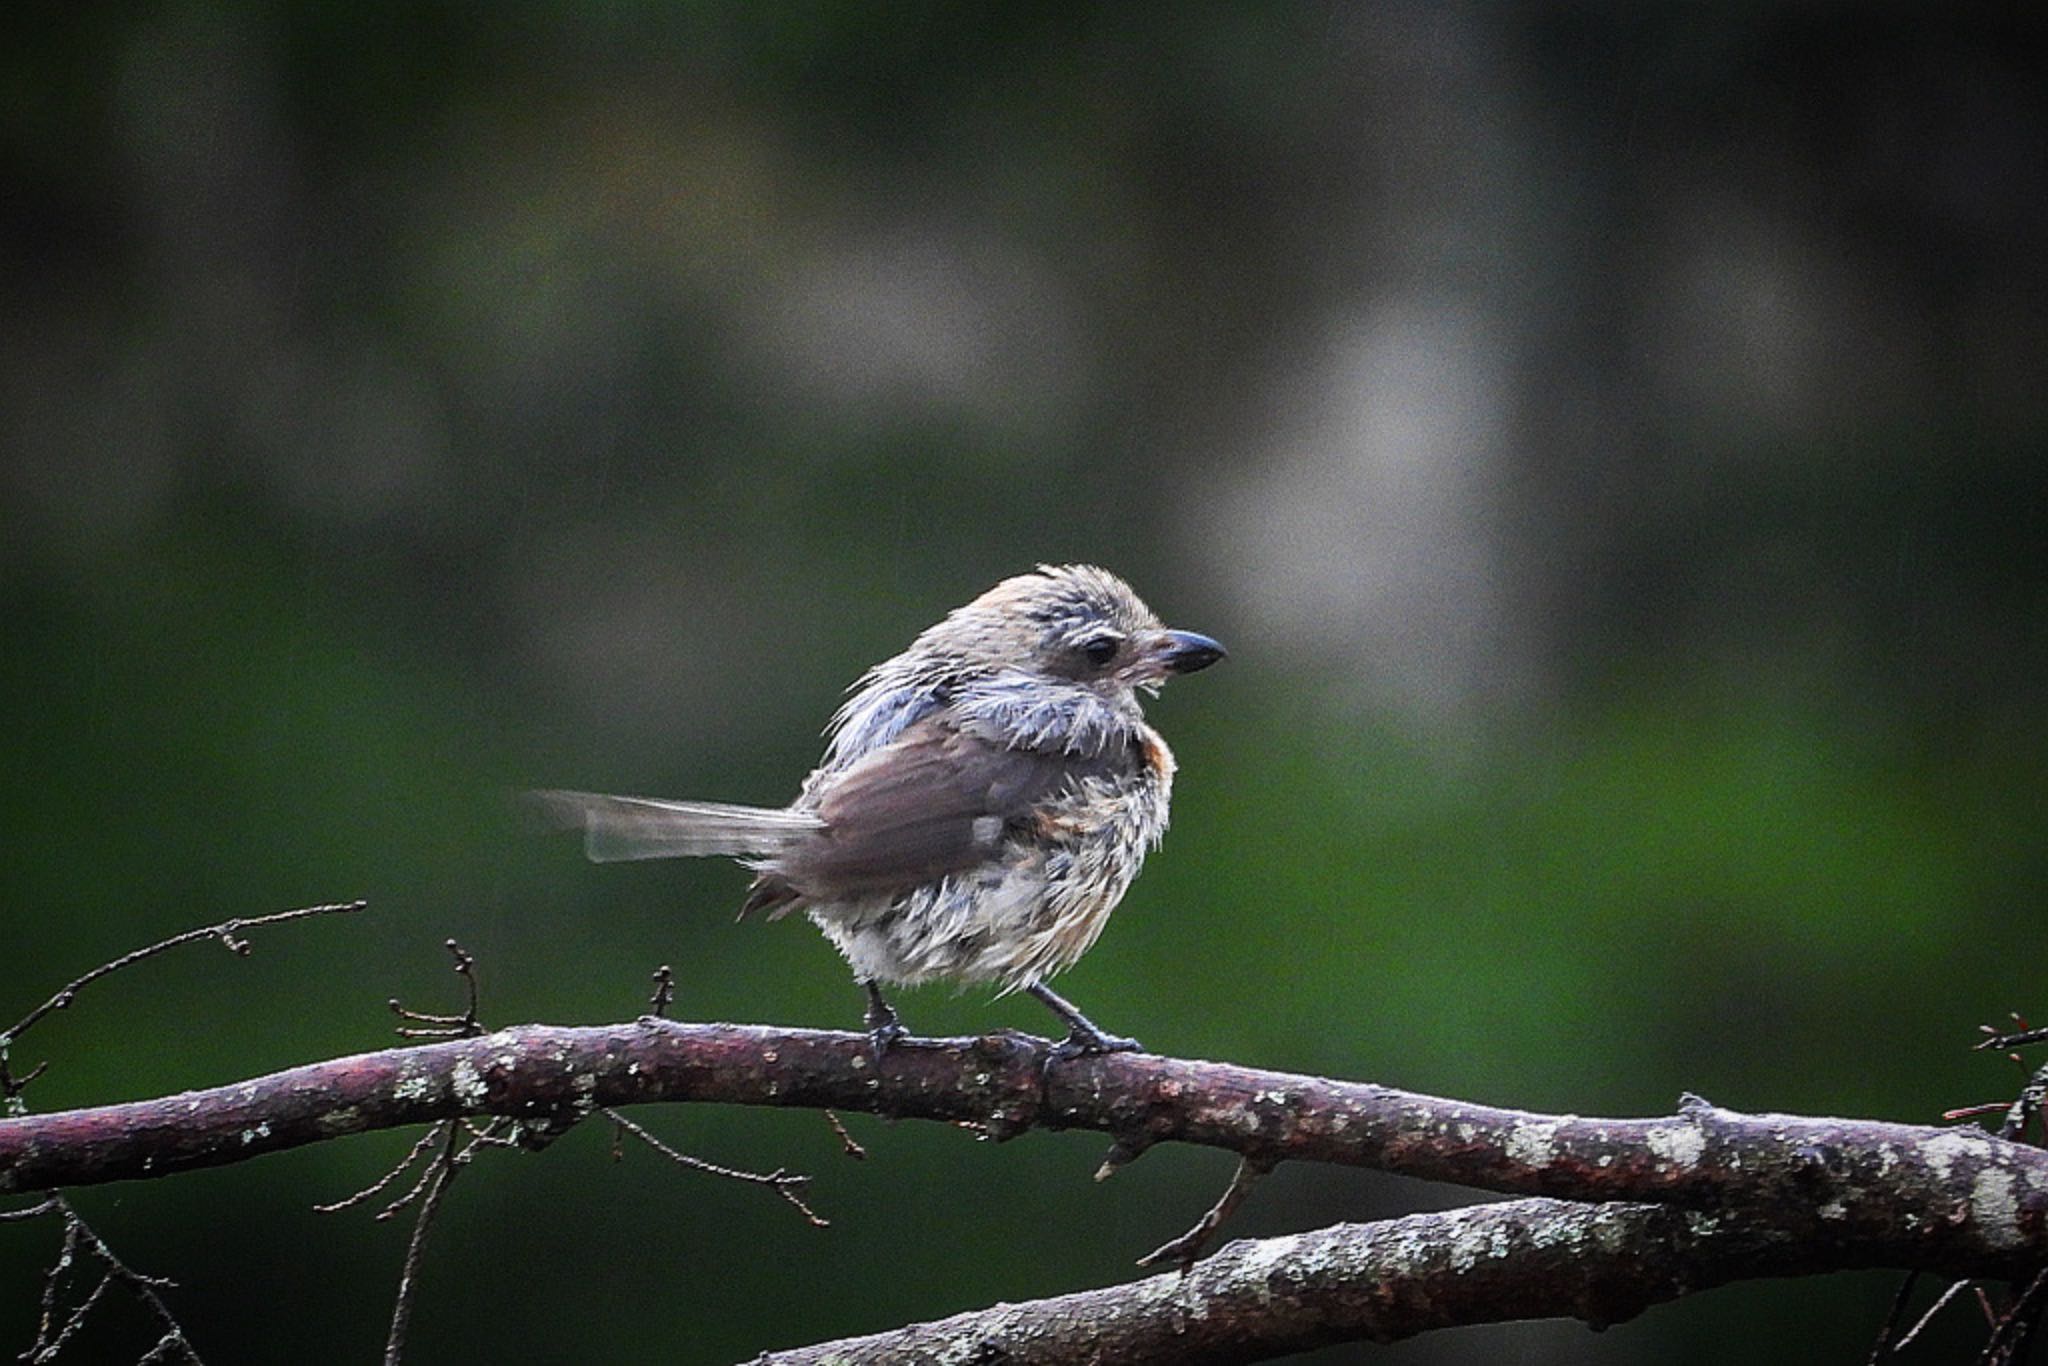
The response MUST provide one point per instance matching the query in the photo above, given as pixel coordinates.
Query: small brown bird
(984, 801)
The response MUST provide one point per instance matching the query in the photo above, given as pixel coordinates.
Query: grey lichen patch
(1946, 1148)
(1994, 1208)
(249, 1136)
(1610, 1233)
(1533, 1144)
(1570, 1231)
(412, 1086)
(1476, 1241)
(345, 1119)
(1677, 1145)
(1262, 1266)
(468, 1083)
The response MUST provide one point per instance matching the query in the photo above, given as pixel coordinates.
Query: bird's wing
(934, 801)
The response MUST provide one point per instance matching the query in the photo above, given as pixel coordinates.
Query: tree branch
(1954, 1200)
(1533, 1258)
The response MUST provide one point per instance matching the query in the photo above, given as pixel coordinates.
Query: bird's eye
(1099, 650)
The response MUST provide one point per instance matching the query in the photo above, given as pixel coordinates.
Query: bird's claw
(883, 1035)
(1084, 1043)
(884, 1029)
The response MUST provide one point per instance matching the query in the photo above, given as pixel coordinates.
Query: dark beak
(1187, 651)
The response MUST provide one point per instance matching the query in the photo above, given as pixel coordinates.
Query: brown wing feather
(934, 801)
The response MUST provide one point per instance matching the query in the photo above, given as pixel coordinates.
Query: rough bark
(1533, 1258)
(1954, 1200)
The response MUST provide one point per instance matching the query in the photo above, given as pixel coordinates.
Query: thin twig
(439, 1176)
(1939, 1304)
(1186, 1250)
(2020, 1038)
(851, 1148)
(2013, 1327)
(2029, 1321)
(664, 992)
(1989, 1107)
(53, 1279)
(467, 1025)
(784, 1183)
(488, 1136)
(228, 932)
(79, 1238)
(444, 1130)
(72, 1322)
(1891, 1319)
(417, 1151)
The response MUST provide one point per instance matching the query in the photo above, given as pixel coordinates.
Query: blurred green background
(1609, 439)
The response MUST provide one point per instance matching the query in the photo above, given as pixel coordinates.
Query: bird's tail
(619, 828)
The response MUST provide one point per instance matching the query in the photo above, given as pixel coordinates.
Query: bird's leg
(1083, 1038)
(883, 1026)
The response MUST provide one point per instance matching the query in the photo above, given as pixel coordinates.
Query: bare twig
(2009, 1335)
(81, 1242)
(1892, 1319)
(2019, 1038)
(439, 1175)
(486, 1137)
(846, 1141)
(1941, 1302)
(414, 1154)
(467, 1025)
(228, 932)
(443, 1133)
(664, 991)
(1185, 1250)
(53, 1279)
(785, 1184)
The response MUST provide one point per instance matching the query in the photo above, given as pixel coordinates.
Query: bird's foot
(1084, 1037)
(884, 1028)
(881, 1037)
(1087, 1041)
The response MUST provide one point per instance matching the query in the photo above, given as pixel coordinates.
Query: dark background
(1608, 437)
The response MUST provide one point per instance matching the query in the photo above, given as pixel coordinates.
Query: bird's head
(1073, 625)
(1050, 659)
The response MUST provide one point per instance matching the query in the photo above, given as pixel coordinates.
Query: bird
(984, 800)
